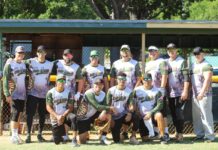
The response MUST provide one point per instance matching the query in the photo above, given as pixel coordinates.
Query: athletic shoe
(179, 137)
(197, 138)
(125, 135)
(163, 139)
(75, 143)
(28, 139)
(133, 140)
(167, 136)
(40, 138)
(206, 140)
(14, 140)
(104, 141)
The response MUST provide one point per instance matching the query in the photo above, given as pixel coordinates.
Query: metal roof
(108, 26)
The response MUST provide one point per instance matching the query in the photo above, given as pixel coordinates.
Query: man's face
(94, 59)
(172, 52)
(147, 83)
(98, 87)
(20, 56)
(41, 55)
(199, 56)
(153, 54)
(67, 57)
(60, 83)
(121, 81)
(125, 55)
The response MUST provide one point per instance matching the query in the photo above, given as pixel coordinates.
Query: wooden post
(1, 96)
(143, 53)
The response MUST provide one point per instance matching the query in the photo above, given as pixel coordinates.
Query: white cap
(125, 46)
(153, 48)
(19, 49)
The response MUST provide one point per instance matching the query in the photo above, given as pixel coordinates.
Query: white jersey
(146, 99)
(71, 72)
(175, 76)
(40, 75)
(156, 68)
(120, 99)
(17, 73)
(59, 101)
(130, 68)
(88, 97)
(93, 73)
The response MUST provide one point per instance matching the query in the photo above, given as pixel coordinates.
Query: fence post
(143, 53)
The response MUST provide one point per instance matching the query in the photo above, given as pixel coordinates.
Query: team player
(127, 65)
(178, 87)
(121, 97)
(39, 70)
(15, 74)
(158, 69)
(96, 108)
(59, 104)
(149, 102)
(201, 74)
(72, 71)
(94, 71)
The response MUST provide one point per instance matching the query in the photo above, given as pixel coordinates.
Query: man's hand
(131, 108)
(184, 96)
(163, 91)
(114, 110)
(147, 116)
(128, 117)
(9, 99)
(60, 119)
(200, 96)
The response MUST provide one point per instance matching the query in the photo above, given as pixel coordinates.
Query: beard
(67, 61)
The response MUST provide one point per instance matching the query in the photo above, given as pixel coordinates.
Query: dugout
(83, 35)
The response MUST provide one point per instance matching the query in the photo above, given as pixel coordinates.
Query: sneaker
(104, 141)
(179, 137)
(133, 140)
(40, 138)
(75, 143)
(207, 140)
(28, 139)
(125, 135)
(14, 140)
(20, 140)
(198, 138)
(167, 136)
(163, 139)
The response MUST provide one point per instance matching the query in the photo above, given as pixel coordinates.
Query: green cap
(59, 77)
(94, 53)
(147, 77)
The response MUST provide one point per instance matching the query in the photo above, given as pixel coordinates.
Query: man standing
(59, 103)
(178, 86)
(128, 66)
(72, 71)
(158, 69)
(14, 74)
(121, 97)
(94, 71)
(95, 99)
(201, 74)
(39, 70)
(149, 102)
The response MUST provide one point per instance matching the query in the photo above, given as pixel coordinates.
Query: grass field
(94, 145)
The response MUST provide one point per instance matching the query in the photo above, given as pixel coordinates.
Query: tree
(140, 9)
(204, 10)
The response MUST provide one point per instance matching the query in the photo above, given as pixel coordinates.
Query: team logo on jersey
(60, 101)
(96, 74)
(40, 71)
(19, 71)
(119, 98)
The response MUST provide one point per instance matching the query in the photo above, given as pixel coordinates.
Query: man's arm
(185, 73)
(138, 75)
(106, 84)
(164, 73)
(80, 80)
(6, 78)
(49, 105)
(112, 76)
(159, 105)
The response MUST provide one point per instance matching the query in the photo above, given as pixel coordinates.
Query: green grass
(94, 145)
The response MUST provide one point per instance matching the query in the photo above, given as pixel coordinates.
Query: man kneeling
(59, 104)
(149, 103)
(93, 109)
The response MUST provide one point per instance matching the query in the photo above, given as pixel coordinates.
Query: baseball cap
(171, 46)
(98, 81)
(147, 77)
(19, 49)
(125, 47)
(59, 77)
(150, 48)
(67, 51)
(41, 48)
(121, 76)
(94, 53)
(197, 50)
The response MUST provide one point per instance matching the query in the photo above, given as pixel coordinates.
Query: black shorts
(34, 103)
(85, 125)
(17, 106)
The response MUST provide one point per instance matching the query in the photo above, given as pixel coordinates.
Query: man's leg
(207, 117)
(115, 130)
(72, 123)
(31, 106)
(135, 121)
(58, 132)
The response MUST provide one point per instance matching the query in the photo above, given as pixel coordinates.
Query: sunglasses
(121, 78)
(196, 54)
(61, 80)
(94, 56)
(20, 52)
